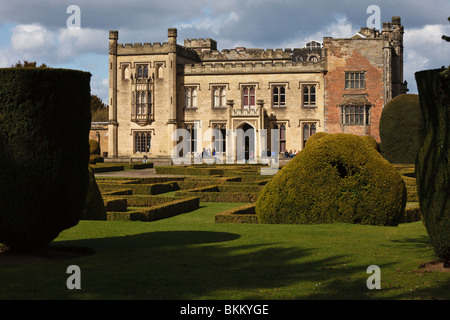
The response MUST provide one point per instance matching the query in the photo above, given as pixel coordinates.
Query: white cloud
(75, 41)
(31, 39)
(36, 43)
(424, 49)
(341, 28)
(213, 24)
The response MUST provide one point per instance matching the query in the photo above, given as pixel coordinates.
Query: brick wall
(344, 55)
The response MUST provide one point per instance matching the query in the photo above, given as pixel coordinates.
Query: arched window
(126, 72)
(308, 130)
(279, 95)
(281, 136)
(219, 135)
(249, 97)
(219, 97)
(160, 72)
(191, 97)
(142, 72)
(309, 96)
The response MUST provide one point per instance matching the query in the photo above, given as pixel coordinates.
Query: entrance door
(246, 143)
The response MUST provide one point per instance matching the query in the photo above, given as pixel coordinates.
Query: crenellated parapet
(252, 67)
(247, 54)
(142, 48)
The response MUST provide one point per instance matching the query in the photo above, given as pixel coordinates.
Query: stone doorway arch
(245, 143)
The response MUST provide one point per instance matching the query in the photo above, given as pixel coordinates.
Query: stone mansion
(338, 85)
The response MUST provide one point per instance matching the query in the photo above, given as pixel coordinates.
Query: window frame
(191, 139)
(281, 127)
(220, 143)
(355, 115)
(355, 80)
(251, 97)
(142, 71)
(221, 97)
(309, 94)
(190, 99)
(311, 128)
(278, 96)
(142, 142)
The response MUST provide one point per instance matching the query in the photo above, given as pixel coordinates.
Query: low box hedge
(140, 188)
(185, 170)
(118, 192)
(220, 196)
(240, 188)
(148, 200)
(158, 212)
(107, 168)
(242, 214)
(412, 213)
(115, 204)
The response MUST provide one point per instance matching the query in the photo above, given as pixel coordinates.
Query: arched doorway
(246, 143)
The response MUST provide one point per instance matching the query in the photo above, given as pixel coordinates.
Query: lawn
(189, 256)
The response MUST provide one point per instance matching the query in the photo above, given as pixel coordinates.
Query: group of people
(206, 153)
(290, 154)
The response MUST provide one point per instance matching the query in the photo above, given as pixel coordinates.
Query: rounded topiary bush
(402, 132)
(44, 153)
(368, 139)
(372, 142)
(338, 178)
(316, 136)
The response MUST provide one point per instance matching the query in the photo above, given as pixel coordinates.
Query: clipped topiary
(368, 139)
(401, 129)
(95, 207)
(338, 178)
(433, 161)
(44, 151)
(316, 136)
(372, 142)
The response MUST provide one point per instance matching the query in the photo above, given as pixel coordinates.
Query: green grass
(191, 257)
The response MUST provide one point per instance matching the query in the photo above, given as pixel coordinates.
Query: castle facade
(168, 100)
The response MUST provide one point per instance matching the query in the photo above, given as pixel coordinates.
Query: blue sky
(36, 30)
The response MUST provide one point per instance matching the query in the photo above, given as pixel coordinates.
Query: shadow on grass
(175, 265)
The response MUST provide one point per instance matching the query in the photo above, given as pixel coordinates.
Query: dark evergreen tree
(433, 162)
(44, 153)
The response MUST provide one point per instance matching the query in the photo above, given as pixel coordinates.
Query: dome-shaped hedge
(368, 139)
(316, 136)
(338, 178)
(402, 130)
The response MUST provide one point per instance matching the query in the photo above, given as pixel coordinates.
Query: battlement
(246, 54)
(218, 68)
(142, 48)
(200, 45)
